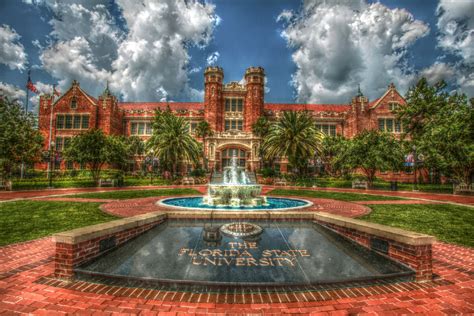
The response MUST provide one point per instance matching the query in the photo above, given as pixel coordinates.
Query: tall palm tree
(294, 136)
(171, 141)
(204, 130)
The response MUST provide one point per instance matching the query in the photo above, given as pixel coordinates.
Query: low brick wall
(412, 249)
(80, 245)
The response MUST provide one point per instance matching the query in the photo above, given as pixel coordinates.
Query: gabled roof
(307, 107)
(391, 88)
(195, 106)
(91, 99)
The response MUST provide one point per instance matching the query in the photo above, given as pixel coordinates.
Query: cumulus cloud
(340, 44)
(12, 92)
(146, 57)
(437, 72)
(456, 36)
(154, 54)
(12, 52)
(212, 58)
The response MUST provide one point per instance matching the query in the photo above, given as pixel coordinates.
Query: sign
(244, 254)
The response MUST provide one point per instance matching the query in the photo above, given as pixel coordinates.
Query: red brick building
(230, 108)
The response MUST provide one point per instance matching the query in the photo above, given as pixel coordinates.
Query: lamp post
(415, 158)
(50, 163)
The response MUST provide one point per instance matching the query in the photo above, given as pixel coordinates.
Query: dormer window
(73, 103)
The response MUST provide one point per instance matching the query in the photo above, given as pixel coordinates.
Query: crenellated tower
(213, 102)
(254, 100)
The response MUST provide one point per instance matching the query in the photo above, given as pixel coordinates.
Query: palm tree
(204, 130)
(171, 141)
(294, 136)
(260, 129)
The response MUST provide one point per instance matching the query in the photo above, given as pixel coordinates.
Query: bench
(358, 184)
(188, 181)
(281, 182)
(107, 182)
(6, 185)
(465, 189)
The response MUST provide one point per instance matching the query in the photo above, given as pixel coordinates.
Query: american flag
(30, 86)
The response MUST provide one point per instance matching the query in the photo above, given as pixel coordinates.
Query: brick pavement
(26, 285)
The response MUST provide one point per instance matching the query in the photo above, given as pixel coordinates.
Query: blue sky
(316, 52)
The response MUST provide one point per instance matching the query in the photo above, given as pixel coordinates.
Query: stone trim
(409, 248)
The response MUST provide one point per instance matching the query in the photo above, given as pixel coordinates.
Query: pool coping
(184, 208)
(81, 245)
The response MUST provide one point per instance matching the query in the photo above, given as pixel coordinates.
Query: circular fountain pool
(272, 203)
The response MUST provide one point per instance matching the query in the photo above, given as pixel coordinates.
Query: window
(193, 126)
(85, 122)
(68, 124)
(328, 129)
(77, 122)
(72, 121)
(73, 103)
(141, 128)
(390, 125)
(227, 105)
(239, 105)
(233, 125)
(393, 106)
(60, 121)
(59, 143)
(62, 143)
(234, 104)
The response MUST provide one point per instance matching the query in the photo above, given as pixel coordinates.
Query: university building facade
(230, 108)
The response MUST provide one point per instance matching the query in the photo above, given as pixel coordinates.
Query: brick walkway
(26, 285)
(26, 288)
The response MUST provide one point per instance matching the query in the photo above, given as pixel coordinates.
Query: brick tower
(255, 81)
(213, 102)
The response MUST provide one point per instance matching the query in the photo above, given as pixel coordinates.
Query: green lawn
(27, 220)
(133, 194)
(333, 195)
(450, 223)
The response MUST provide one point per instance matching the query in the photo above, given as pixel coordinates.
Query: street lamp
(50, 163)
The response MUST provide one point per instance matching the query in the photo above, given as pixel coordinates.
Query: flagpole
(27, 92)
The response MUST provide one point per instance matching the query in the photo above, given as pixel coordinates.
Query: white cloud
(12, 92)
(437, 72)
(456, 36)
(149, 57)
(339, 44)
(12, 52)
(154, 54)
(212, 58)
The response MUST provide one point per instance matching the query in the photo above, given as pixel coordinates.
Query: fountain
(236, 189)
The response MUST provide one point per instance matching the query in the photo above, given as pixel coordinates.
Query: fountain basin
(176, 254)
(271, 204)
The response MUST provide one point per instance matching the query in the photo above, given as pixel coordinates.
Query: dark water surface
(285, 253)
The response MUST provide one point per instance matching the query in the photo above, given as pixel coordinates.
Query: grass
(133, 194)
(333, 195)
(27, 220)
(450, 223)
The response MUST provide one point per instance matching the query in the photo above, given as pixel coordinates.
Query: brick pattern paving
(125, 208)
(26, 287)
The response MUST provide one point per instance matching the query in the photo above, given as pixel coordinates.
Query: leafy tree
(332, 155)
(294, 136)
(172, 142)
(95, 149)
(135, 146)
(261, 127)
(20, 142)
(441, 125)
(372, 150)
(204, 130)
